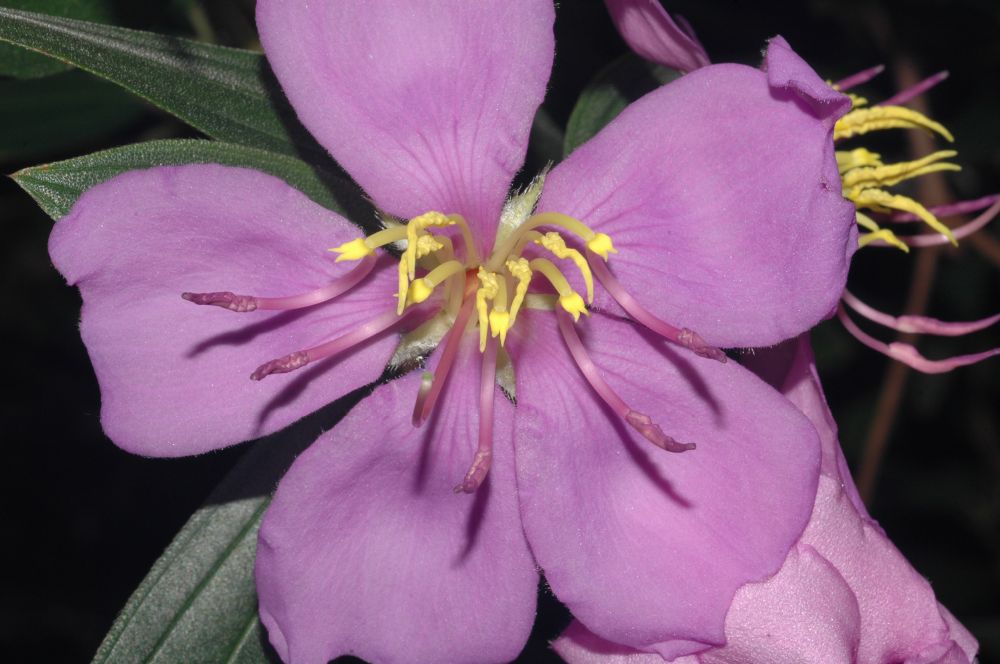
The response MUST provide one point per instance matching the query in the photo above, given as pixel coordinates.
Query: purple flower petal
(722, 196)
(787, 71)
(367, 550)
(427, 105)
(175, 378)
(645, 547)
(650, 32)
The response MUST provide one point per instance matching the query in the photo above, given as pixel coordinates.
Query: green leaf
(56, 186)
(229, 94)
(38, 116)
(21, 63)
(615, 87)
(198, 603)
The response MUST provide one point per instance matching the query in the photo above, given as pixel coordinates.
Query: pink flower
(844, 594)
(365, 548)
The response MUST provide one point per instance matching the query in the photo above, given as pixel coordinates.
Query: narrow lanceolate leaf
(615, 87)
(228, 94)
(56, 186)
(198, 604)
(19, 63)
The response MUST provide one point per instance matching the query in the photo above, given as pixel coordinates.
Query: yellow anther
(354, 250)
(557, 245)
(403, 291)
(414, 229)
(505, 249)
(488, 289)
(573, 304)
(857, 158)
(520, 269)
(601, 245)
(419, 291)
(882, 201)
(857, 101)
(886, 236)
(892, 174)
(427, 245)
(877, 233)
(864, 120)
(569, 299)
(499, 324)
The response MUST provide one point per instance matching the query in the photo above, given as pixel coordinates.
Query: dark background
(83, 521)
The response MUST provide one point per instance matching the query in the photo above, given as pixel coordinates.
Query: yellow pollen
(876, 118)
(361, 247)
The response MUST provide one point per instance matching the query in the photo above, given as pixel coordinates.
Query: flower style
(866, 180)
(365, 548)
(844, 594)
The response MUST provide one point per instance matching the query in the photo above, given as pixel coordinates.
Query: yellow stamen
(857, 101)
(877, 233)
(599, 243)
(864, 120)
(555, 243)
(892, 174)
(360, 247)
(414, 228)
(882, 201)
(520, 269)
(421, 289)
(488, 291)
(569, 299)
(857, 158)
(499, 317)
(404, 283)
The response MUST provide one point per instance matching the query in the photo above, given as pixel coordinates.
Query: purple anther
(290, 362)
(477, 472)
(863, 76)
(654, 434)
(909, 93)
(224, 299)
(693, 342)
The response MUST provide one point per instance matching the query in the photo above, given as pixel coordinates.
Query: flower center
(496, 290)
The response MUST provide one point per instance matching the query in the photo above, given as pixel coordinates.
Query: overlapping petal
(845, 594)
(722, 195)
(645, 547)
(366, 550)
(174, 377)
(649, 31)
(427, 105)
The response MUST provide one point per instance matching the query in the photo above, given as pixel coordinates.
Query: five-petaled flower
(694, 195)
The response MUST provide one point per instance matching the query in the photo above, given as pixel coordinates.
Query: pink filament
(908, 354)
(484, 452)
(917, 324)
(300, 358)
(915, 90)
(681, 336)
(640, 422)
(961, 207)
(428, 397)
(244, 303)
(857, 79)
(963, 231)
